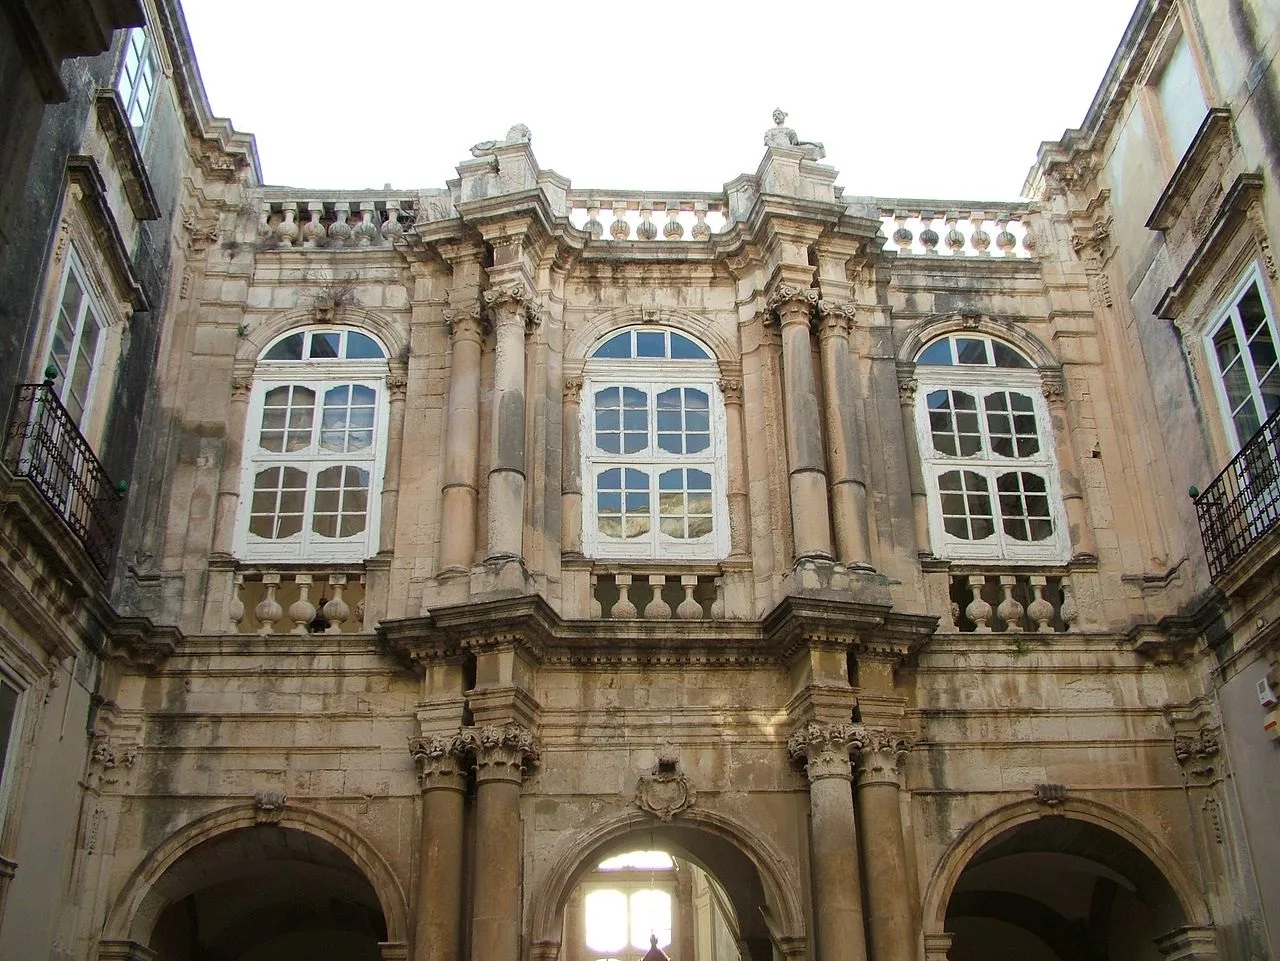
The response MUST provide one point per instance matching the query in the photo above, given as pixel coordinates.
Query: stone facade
(835, 546)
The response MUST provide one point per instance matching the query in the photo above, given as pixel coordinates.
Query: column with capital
(397, 387)
(848, 481)
(511, 311)
(571, 468)
(503, 754)
(739, 505)
(442, 762)
(1054, 388)
(880, 756)
(462, 442)
(793, 306)
(837, 895)
(224, 522)
(907, 387)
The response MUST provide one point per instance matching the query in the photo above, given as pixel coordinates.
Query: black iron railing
(1243, 502)
(45, 446)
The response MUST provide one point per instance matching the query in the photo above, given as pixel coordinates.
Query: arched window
(314, 448)
(987, 453)
(653, 448)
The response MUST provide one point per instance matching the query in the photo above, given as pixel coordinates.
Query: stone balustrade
(1010, 602)
(323, 599)
(925, 227)
(611, 216)
(335, 224)
(657, 597)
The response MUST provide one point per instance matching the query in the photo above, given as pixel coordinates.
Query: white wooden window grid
(1242, 345)
(76, 341)
(137, 83)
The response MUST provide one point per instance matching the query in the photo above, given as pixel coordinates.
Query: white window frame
(980, 380)
(318, 376)
(88, 307)
(654, 376)
(628, 883)
(1229, 313)
(138, 41)
(10, 750)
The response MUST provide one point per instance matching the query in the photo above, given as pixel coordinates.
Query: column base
(823, 577)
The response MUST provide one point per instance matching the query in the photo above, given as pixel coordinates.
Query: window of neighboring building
(653, 448)
(10, 701)
(987, 452)
(1243, 345)
(75, 346)
(137, 83)
(624, 911)
(314, 448)
(1180, 96)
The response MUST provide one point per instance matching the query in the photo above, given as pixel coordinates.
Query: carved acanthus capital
(202, 232)
(824, 749)
(835, 317)
(240, 387)
(731, 388)
(442, 760)
(510, 304)
(1197, 751)
(464, 321)
(1053, 385)
(505, 752)
(573, 390)
(791, 304)
(907, 387)
(881, 755)
(397, 386)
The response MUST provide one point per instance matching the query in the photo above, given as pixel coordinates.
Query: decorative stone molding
(506, 752)
(907, 387)
(1052, 796)
(881, 755)
(268, 807)
(1197, 751)
(442, 760)
(511, 302)
(465, 322)
(792, 304)
(666, 790)
(824, 749)
(731, 388)
(240, 387)
(835, 317)
(397, 386)
(573, 390)
(201, 232)
(1053, 385)
(107, 758)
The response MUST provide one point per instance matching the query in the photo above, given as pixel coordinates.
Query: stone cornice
(1209, 139)
(124, 148)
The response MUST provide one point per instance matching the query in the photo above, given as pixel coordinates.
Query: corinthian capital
(792, 304)
(881, 755)
(464, 321)
(503, 752)
(835, 316)
(442, 760)
(509, 303)
(824, 749)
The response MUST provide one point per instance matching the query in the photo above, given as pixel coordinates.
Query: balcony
(44, 445)
(1242, 504)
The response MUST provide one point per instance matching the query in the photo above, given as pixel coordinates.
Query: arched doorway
(1060, 889)
(265, 893)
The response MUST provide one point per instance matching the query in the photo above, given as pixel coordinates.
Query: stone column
(848, 480)
(462, 441)
(397, 387)
(1054, 389)
(571, 469)
(890, 927)
(502, 756)
(224, 523)
(739, 502)
(907, 387)
(511, 313)
(442, 777)
(833, 845)
(793, 307)
(575, 928)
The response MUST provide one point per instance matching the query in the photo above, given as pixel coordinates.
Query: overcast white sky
(932, 98)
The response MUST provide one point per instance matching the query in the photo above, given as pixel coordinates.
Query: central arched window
(653, 448)
(987, 452)
(314, 448)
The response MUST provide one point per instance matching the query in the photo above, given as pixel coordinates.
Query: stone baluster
(902, 235)
(1040, 610)
(673, 229)
(593, 605)
(340, 230)
(571, 468)
(657, 609)
(336, 610)
(502, 754)
(1054, 389)
(313, 232)
(646, 229)
(286, 231)
(907, 387)
(397, 390)
(302, 612)
(235, 610)
(978, 610)
(1006, 242)
(622, 607)
(366, 231)
(620, 229)
(848, 480)
(224, 523)
(268, 610)
(701, 229)
(739, 500)
(689, 609)
(392, 229)
(833, 844)
(955, 238)
(593, 226)
(511, 310)
(442, 764)
(1069, 611)
(1009, 609)
(459, 495)
(979, 238)
(928, 236)
(880, 758)
(810, 518)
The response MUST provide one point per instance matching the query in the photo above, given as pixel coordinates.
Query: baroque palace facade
(515, 571)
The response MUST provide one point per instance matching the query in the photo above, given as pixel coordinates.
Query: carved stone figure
(781, 136)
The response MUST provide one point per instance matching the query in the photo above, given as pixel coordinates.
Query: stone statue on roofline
(519, 133)
(780, 136)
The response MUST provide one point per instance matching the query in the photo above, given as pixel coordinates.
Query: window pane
(288, 349)
(1011, 436)
(650, 915)
(8, 711)
(651, 343)
(362, 347)
(617, 347)
(1024, 506)
(682, 348)
(279, 496)
(348, 413)
(953, 423)
(1181, 99)
(971, 351)
(324, 345)
(936, 354)
(606, 915)
(1006, 356)
(341, 501)
(966, 505)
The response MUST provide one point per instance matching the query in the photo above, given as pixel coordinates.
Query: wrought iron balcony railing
(1243, 502)
(45, 446)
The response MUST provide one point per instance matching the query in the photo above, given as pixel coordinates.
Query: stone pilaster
(224, 523)
(571, 468)
(503, 754)
(810, 519)
(397, 388)
(1054, 389)
(848, 478)
(837, 896)
(907, 387)
(511, 311)
(739, 502)
(442, 761)
(890, 923)
(459, 495)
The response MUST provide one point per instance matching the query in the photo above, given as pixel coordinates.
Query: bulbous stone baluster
(622, 607)
(1009, 609)
(593, 226)
(1040, 610)
(718, 605)
(313, 232)
(1070, 612)
(269, 610)
(980, 239)
(689, 609)
(264, 223)
(336, 610)
(392, 229)
(366, 232)
(647, 229)
(340, 229)
(902, 236)
(287, 230)
(235, 611)
(978, 610)
(673, 229)
(302, 612)
(1005, 240)
(594, 604)
(928, 236)
(1028, 240)
(620, 229)
(657, 609)
(701, 229)
(955, 237)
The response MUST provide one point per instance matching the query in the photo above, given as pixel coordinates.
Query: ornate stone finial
(781, 136)
(441, 759)
(507, 752)
(268, 807)
(666, 790)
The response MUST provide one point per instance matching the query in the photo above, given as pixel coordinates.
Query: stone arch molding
(134, 913)
(254, 341)
(939, 325)
(598, 326)
(961, 851)
(781, 885)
